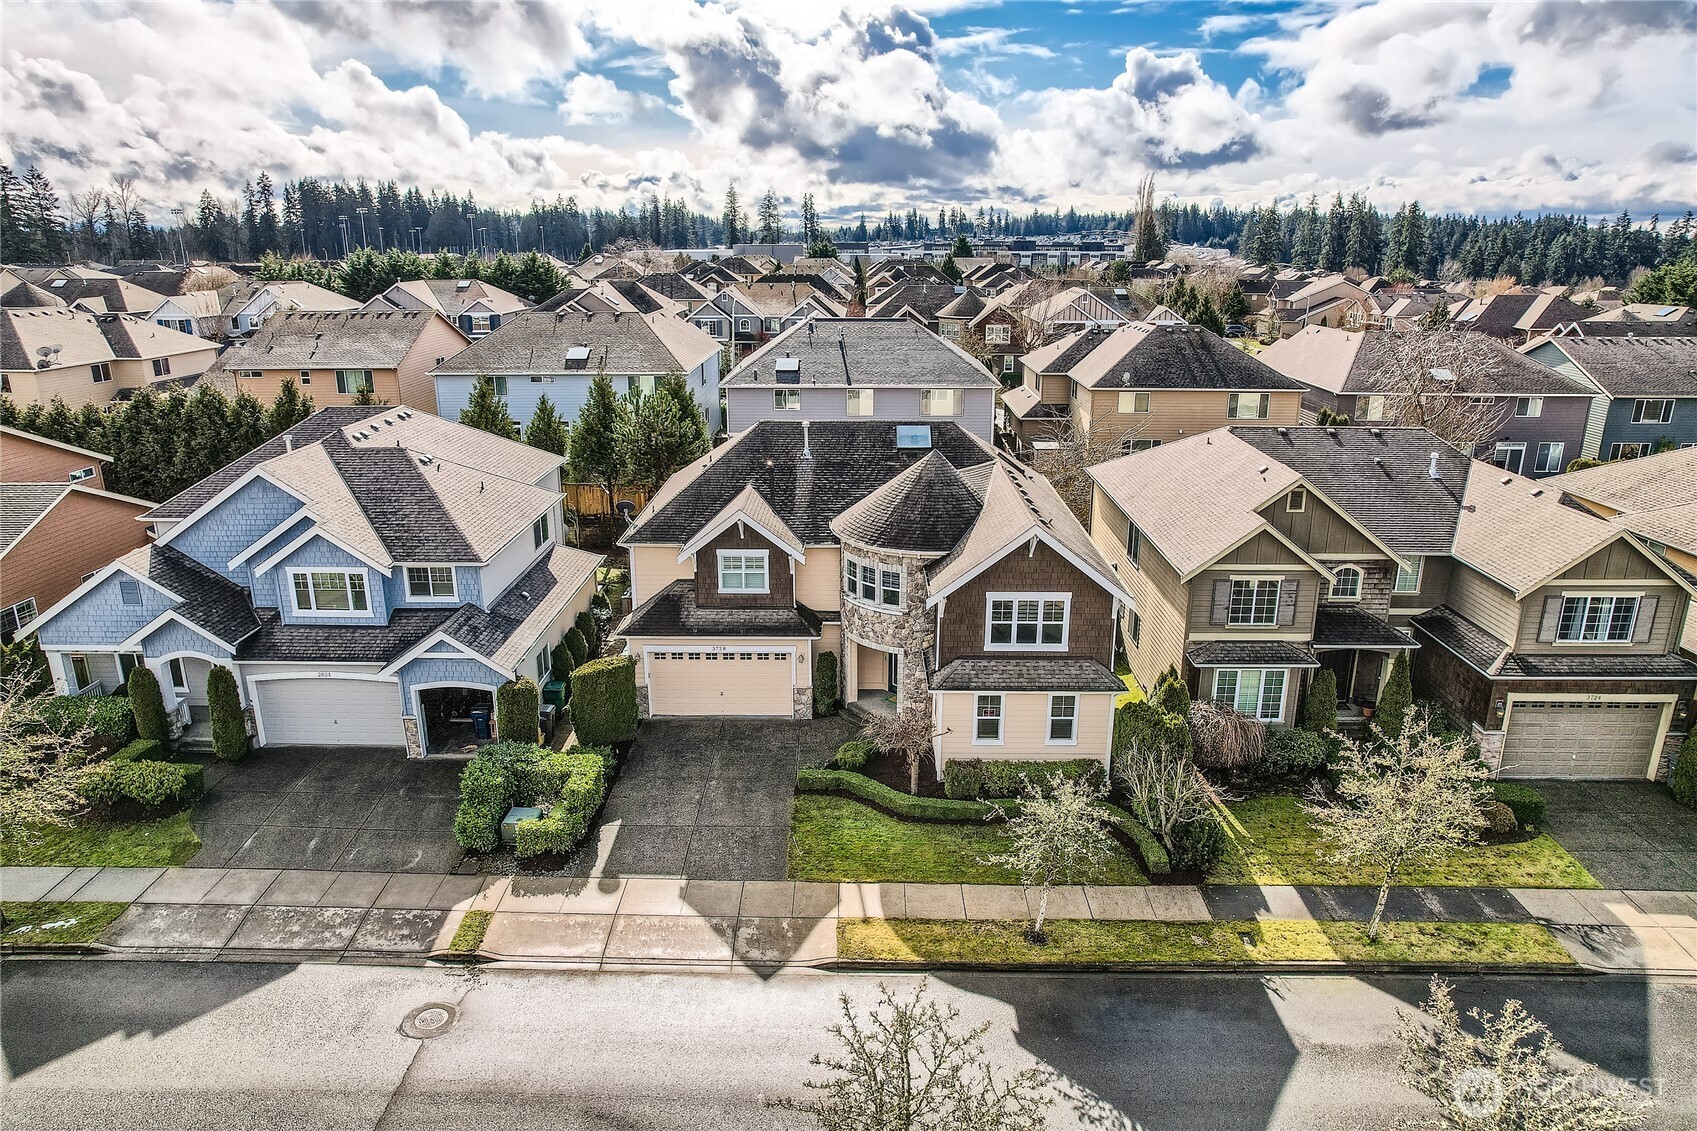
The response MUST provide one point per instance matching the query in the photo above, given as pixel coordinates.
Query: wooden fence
(590, 499)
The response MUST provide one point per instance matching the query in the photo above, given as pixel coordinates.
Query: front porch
(1359, 649)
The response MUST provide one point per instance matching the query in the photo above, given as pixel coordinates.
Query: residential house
(1519, 316)
(558, 353)
(248, 305)
(85, 358)
(370, 577)
(921, 302)
(744, 316)
(103, 295)
(833, 271)
(1644, 389)
(1535, 416)
(1331, 300)
(1256, 556)
(474, 306)
(28, 458)
(334, 358)
(1140, 385)
(676, 293)
(854, 368)
(200, 313)
(54, 534)
(1639, 319)
(938, 570)
(1653, 496)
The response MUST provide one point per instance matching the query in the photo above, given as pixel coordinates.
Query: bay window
(1256, 692)
(867, 582)
(330, 592)
(1027, 620)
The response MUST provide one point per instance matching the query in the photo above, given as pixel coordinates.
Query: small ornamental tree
(147, 704)
(229, 726)
(578, 647)
(1506, 1078)
(1058, 837)
(486, 410)
(910, 1065)
(905, 734)
(604, 701)
(518, 711)
(1408, 800)
(825, 684)
(1163, 789)
(1320, 706)
(43, 767)
(1171, 695)
(1395, 700)
(594, 449)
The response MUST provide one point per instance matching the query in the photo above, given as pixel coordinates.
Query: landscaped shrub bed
(604, 701)
(973, 778)
(1526, 802)
(569, 785)
(107, 717)
(149, 785)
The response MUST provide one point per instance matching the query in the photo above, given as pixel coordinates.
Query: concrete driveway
(1630, 835)
(707, 798)
(337, 808)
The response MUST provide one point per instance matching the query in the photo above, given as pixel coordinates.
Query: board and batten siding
(1319, 529)
(1617, 567)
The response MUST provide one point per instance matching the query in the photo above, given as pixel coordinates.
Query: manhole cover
(431, 1019)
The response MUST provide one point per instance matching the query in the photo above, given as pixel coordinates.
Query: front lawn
(993, 942)
(164, 843)
(836, 839)
(40, 924)
(1270, 840)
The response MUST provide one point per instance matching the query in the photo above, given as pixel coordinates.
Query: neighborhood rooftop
(861, 351)
(567, 340)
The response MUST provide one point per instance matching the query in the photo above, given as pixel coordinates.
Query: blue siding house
(370, 577)
(1645, 389)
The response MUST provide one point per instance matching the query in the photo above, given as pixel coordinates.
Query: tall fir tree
(594, 450)
(546, 430)
(487, 410)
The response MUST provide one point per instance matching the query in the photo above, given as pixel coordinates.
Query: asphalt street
(159, 1046)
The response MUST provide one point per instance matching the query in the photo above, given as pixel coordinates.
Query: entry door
(893, 673)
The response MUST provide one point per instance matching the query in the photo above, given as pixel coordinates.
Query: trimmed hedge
(973, 778)
(147, 704)
(1154, 857)
(853, 754)
(1682, 779)
(229, 727)
(825, 684)
(518, 711)
(108, 717)
(604, 701)
(1294, 755)
(578, 646)
(146, 783)
(1198, 845)
(494, 781)
(585, 623)
(142, 750)
(894, 801)
(561, 663)
(1526, 802)
(577, 780)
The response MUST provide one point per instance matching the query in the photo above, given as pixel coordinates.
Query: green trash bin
(554, 691)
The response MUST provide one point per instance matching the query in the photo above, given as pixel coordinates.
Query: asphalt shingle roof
(502, 631)
(309, 431)
(536, 341)
(863, 351)
(673, 612)
(924, 299)
(351, 644)
(1141, 356)
(1636, 367)
(1348, 626)
(209, 601)
(341, 339)
(22, 503)
(1240, 653)
(1026, 674)
(1461, 636)
(927, 508)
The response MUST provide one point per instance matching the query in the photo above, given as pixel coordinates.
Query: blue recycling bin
(480, 725)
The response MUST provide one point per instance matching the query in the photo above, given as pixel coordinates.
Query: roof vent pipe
(1432, 469)
(806, 442)
(288, 442)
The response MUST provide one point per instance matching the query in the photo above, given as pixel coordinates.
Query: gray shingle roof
(863, 351)
(1636, 367)
(1379, 477)
(1665, 666)
(1026, 674)
(673, 612)
(341, 339)
(22, 503)
(924, 299)
(211, 602)
(362, 644)
(1178, 357)
(401, 507)
(1346, 626)
(1461, 636)
(927, 508)
(513, 621)
(1236, 653)
(1507, 371)
(536, 341)
(309, 431)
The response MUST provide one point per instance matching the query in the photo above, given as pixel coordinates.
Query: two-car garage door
(1557, 739)
(727, 682)
(329, 712)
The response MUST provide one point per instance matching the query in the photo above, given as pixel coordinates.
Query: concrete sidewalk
(758, 923)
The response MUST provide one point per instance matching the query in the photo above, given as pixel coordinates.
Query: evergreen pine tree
(546, 430)
(594, 449)
(288, 410)
(486, 410)
(1332, 244)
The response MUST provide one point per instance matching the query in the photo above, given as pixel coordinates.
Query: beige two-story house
(72, 355)
(335, 357)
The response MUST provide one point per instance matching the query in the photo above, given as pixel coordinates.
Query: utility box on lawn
(510, 823)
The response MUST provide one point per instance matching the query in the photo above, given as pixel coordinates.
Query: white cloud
(588, 99)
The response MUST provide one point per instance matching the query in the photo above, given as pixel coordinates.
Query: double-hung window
(430, 583)
(1370, 408)
(871, 584)
(1133, 402)
(1063, 720)
(542, 665)
(333, 592)
(742, 571)
(787, 400)
(354, 381)
(860, 402)
(1256, 692)
(987, 719)
(1248, 406)
(890, 587)
(1603, 620)
(1027, 620)
(14, 618)
(1408, 577)
(539, 532)
(940, 402)
(1652, 412)
(1133, 542)
(1253, 602)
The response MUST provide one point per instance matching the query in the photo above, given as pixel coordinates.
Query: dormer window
(742, 571)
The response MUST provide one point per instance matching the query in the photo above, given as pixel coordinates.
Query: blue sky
(868, 104)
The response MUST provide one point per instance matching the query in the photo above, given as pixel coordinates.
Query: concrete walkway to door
(707, 798)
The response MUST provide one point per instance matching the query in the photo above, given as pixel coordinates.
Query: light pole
(380, 237)
(178, 213)
(471, 233)
(418, 237)
(344, 221)
(364, 240)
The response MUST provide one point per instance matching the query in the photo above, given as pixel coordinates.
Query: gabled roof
(67, 336)
(1138, 355)
(1338, 361)
(538, 341)
(289, 294)
(1644, 319)
(504, 632)
(210, 602)
(751, 508)
(1633, 366)
(1516, 314)
(332, 340)
(28, 295)
(867, 352)
(924, 299)
(449, 296)
(1647, 483)
(17, 434)
(673, 285)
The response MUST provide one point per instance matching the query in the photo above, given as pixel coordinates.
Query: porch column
(61, 669)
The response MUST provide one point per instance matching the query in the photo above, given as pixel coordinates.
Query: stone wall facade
(910, 631)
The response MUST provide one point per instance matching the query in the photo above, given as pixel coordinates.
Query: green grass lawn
(1133, 693)
(836, 839)
(35, 924)
(1271, 841)
(1270, 940)
(125, 844)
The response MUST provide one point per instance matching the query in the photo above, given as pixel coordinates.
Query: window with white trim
(1133, 542)
(430, 583)
(129, 591)
(940, 402)
(354, 381)
(860, 402)
(13, 619)
(1256, 692)
(1007, 363)
(1346, 584)
(1063, 720)
(1408, 577)
(987, 719)
(1628, 450)
(161, 367)
(179, 676)
(1549, 456)
(1253, 601)
(542, 668)
(1133, 402)
(872, 584)
(539, 532)
(1026, 620)
(102, 372)
(1601, 620)
(1249, 406)
(1652, 412)
(330, 592)
(1370, 408)
(998, 334)
(742, 571)
(786, 400)
(1529, 406)
(1509, 457)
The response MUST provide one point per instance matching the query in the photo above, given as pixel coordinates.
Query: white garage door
(1581, 740)
(330, 712)
(755, 682)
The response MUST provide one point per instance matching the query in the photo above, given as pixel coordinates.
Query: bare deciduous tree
(210, 279)
(907, 733)
(1163, 790)
(1058, 837)
(910, 1065)
(1438, 380)
(1401, 801)
(1067, 453)
(1506, 1078)
(42, 765)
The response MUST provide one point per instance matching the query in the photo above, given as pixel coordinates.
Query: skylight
(913, 435)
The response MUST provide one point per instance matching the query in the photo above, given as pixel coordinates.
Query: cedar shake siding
(1090, 619)
(24, 459)
(779, 582)
(79, 535)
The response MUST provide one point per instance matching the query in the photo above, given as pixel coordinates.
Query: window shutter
(1646, 622)
(1552, 619)
(1222, 601)
(465, 323)
(494, 321)
(1287, 602)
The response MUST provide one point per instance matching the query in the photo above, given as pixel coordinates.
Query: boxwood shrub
(1295, 755)
(571, 784)
(229, 725)
(147, 704)
(149, 784)
(518, 711)
(107, 718)
(491, 783)
(973, 778)
(1526, 802)
(825, 684)
(854, 754)
(604, 701)
(894, 801)
(1154, 857)
(1145, 723)
(1198, 845)
(1682, 779)
(585, 623)
(142, 750)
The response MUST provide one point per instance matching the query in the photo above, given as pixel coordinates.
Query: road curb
(857, 965)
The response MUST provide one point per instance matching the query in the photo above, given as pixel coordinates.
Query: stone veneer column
(409, 726)
(911, 631)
